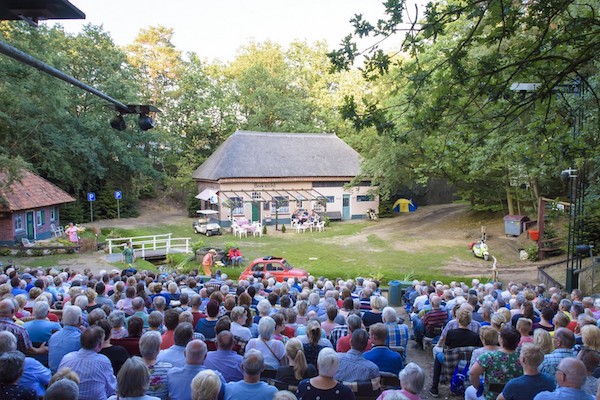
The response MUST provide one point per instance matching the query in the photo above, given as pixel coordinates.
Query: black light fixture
(118, 122)
(145, 122)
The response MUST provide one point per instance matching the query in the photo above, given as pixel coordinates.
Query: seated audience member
(235, 256)
(225, 360)
(41, 329)
(131, 343)
(325, 386)
(564, 340)
(239, 317)
(149, 348)
(206, 385)
(373, 315)
(175, 355)
(462, 336)
(532, 381)
(171, 321)
(524, 329)
(412, 381)
(139, 309)
(12, 364)
(35, 376)
(590, 337)
(591, 359)
(313, 347)
(66, 340)
(63, 389)
(102, 299)
(94, 370)
(570, 377)
(125, 304)
(397, 331)
(273, 350)
(353, 364)
(329, 323)
(430, 321)
(474, 326)
(546, 317)
(7, 323)
(297, 368)
(251, 387)
(116, 354)
(155, 322)
(385, 359)
(133, 381)
(206, 326)
(489, 338)
(179, 378)
(117, 322)
(543, 340)
(343, 344)
(498, 367)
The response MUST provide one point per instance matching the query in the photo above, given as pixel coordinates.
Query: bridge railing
(143, 244)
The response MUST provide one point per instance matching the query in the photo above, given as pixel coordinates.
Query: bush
(532, 252)
(283, 229)
(327, 221)
(198, 245)
(264, 230)
(5, 252)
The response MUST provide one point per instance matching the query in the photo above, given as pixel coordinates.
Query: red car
(278, 267)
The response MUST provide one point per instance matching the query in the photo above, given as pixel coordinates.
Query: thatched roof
(248, 154)
(32, 191)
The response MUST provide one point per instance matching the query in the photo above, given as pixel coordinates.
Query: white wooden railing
(154, 243)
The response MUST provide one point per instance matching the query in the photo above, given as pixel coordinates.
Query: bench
(332, 215)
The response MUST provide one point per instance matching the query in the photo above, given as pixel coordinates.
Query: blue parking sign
(118, 194)
(91, 196)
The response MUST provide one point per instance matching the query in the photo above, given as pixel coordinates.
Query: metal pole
(37, 64)
(91, 211)
(118, 210)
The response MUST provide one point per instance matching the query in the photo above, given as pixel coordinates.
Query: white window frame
(18, 219)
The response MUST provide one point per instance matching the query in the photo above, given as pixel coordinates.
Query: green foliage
(283, 229)
(327, 221)
(198, 245)
(532, 252)
(4, 252)
(264, 230)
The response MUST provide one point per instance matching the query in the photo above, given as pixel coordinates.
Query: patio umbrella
(207, 194)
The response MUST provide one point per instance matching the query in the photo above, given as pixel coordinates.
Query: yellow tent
(404, 206)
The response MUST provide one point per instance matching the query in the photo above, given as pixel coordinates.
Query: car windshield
(286, 265)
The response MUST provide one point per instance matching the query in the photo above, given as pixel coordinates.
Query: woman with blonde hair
(590, 336)
(297, 368)
(498, 321)
(506, 312)
(489, 338)
(313, 347)
(543, 340)
(206, 385)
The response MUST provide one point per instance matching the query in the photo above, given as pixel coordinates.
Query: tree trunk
(509, 198)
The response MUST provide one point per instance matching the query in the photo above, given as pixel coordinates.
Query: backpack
(457, 383)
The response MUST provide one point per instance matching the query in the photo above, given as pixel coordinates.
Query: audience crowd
(129, 334)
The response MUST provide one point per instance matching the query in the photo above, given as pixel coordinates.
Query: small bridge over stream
(155, 247)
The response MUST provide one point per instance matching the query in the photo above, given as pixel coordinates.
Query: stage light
(118, 122)
(145, 122)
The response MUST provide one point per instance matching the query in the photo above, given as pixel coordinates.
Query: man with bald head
(570, 377)
(179, 379)
(7, 323)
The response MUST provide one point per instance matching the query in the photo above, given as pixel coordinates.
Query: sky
(217, 29)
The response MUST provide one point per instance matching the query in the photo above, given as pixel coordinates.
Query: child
(524, 328)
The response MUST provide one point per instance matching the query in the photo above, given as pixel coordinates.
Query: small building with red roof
(29, 207)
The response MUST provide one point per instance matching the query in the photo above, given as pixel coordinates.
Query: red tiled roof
(32, 191)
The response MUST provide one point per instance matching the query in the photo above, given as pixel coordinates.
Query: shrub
(532, 252)
(327, 221)
(198, 245)
(264, 231)
(283, 229)
(5, 252)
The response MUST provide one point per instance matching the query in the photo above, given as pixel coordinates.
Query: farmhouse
(259, 174)
(29, 208)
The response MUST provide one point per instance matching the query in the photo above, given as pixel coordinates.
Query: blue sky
(216, 29)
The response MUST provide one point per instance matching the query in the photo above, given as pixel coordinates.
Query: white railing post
(109, 246)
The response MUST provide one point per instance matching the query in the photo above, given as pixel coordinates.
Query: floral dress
(158, 380)
(499, 368)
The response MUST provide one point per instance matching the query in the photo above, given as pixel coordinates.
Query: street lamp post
(575, 178)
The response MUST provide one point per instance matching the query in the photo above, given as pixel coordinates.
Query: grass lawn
(338, 252)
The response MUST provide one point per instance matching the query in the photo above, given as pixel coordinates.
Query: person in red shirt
(235, 256)
(343, 344)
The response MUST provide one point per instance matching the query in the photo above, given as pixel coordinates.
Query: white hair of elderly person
(412, 381)
(63, 389)
(133, 381)
(272, 350)
(206, 385)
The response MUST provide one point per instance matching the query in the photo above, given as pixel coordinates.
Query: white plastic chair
(320, 226)
(242, 232)
(57, 231)
(258, 228)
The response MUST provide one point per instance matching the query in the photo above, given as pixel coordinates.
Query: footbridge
(153, 247)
